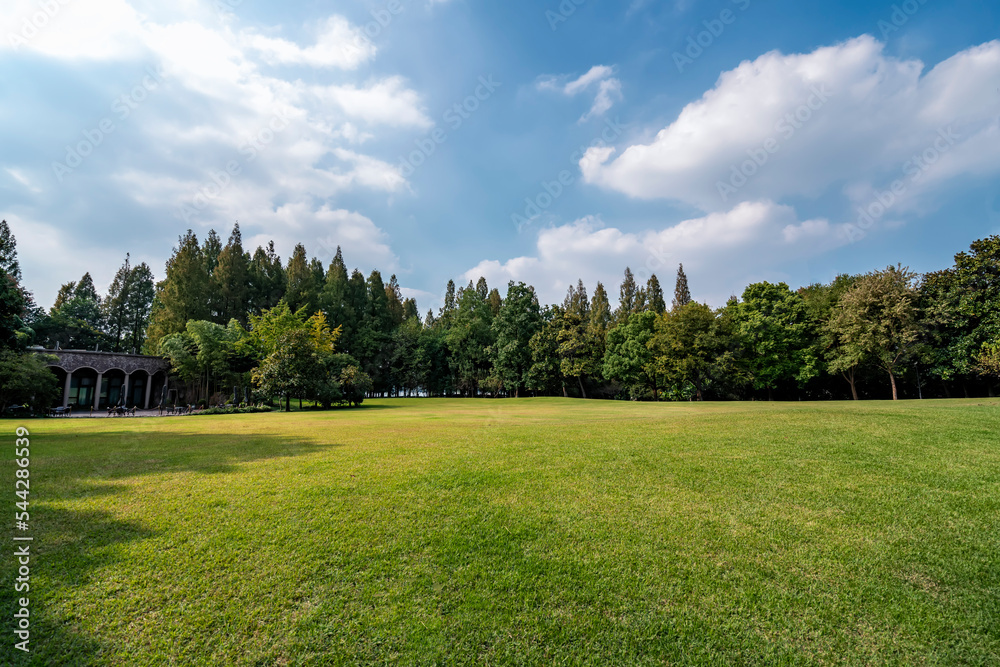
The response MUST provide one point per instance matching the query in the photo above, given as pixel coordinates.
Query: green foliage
(303, 289)
(11, 312)
(182, 295)
(26, 380)
(246, 410)
(8, 253)
(682, 294)
(266, 280)
(628, 358)
(692, 348)
(230, 281)
(775, 332)
(125, 310)
(518, 320)
(877, 319)
(654, 296)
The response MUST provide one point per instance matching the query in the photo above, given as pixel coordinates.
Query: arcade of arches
(98, 380)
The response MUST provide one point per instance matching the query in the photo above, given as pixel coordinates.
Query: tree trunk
(770, 394)
(895, 394)
(583, 391)
(288, 403)
(849, 376)
(300, 403)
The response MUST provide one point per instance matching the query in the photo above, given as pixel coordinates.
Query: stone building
(101, 379)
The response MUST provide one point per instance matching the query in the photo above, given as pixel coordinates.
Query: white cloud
(720, 252)
(322, 229)
(609, 89)
(338, 44)
(844, 116)
(219, 101)
(386, 102)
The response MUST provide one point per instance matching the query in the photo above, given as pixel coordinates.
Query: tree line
(235, 322)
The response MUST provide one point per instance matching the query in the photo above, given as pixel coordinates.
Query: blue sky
(534, 141)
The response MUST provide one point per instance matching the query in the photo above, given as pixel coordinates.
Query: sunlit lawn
(534, 531)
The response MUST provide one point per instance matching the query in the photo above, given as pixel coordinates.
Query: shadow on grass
(84, 465)
(68, 546)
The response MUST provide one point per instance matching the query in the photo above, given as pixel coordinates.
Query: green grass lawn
(533, 531)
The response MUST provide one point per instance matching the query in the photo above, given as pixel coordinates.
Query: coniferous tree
(682, 295)
(8, 253)
(64, 295)
(266, 280)
(210, 251)
(600, 310)
(495, 301)
(654, 296)
(115, 305)
(11, 312)
(449, 304)
(410, 310)
(302, 290)
(230, 281)
(183, 294)
(518, 320)
(138, 306)
(627, 297)
(395, 301)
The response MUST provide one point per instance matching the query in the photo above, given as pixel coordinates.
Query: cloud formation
(601, 77)
(843, 117)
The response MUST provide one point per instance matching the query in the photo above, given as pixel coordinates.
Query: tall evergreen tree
(266, 280)
(495, 301)
(11, 312)
(682, 295)
(64, 295)
(482, 289)
(449, 304)
(395, 301)
(210, 251)
(627, 294)
(8, 253)
(183, 294)
(654, 296)
(230, 281)
(410, 309)
(600, 310)
(115, 305)
(303, 285)
(518, 320)
(138, 306)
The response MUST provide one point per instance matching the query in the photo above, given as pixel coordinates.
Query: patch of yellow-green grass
(533, 531)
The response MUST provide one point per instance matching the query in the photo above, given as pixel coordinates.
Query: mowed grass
(533, 531)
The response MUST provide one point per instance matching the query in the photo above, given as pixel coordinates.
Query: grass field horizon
(519, 531)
